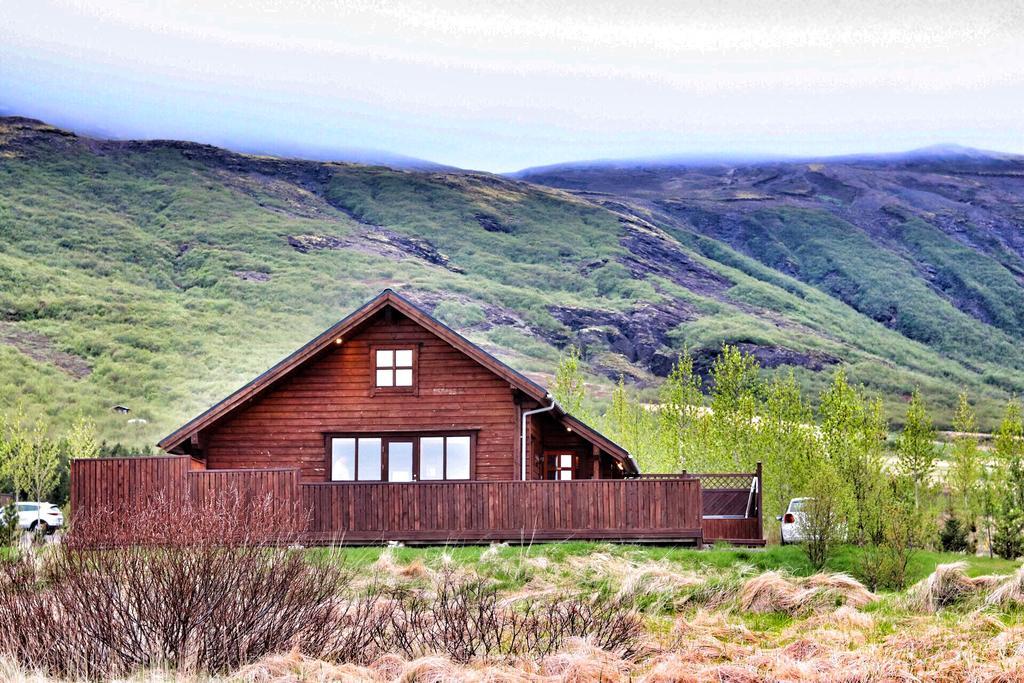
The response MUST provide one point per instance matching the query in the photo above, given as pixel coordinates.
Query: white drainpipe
(522, 438)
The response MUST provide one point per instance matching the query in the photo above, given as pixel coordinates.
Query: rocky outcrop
(307, 243)
(650, 253)
(768, 356)
(377, 240)
(640, 335)
(416, 247)
(492, 223)
(252, 276)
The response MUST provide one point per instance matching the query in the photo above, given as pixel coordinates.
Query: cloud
(495, 85)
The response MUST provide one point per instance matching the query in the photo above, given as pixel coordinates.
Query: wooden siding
(504, 510)
(284, 425)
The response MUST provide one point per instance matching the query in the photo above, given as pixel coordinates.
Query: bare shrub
(178, 586)
(464, 619)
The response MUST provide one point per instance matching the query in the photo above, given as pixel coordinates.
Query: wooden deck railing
(504, 510)
(668, 508)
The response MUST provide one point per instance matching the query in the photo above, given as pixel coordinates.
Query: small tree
(787, 443)
(681, 407)
(730, 432)
(965, 476)
(35, 466)
(1008, 534)
(568, 387)
(906, 530)
(853, 430)
(915, 448)
(735, 376)
(82, 439)
(14, 439)
(8, 525)
(825, 514)
(637, 430)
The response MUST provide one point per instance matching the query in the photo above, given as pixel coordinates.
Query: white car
(42, 517)
(793, 521)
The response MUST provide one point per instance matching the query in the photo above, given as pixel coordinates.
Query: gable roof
(354, 320)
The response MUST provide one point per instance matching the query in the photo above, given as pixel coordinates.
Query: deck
(690, 508)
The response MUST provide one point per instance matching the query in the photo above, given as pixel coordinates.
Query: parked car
(793, 521)
(42, 517)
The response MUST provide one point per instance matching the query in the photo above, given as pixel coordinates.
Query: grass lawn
(724, 560)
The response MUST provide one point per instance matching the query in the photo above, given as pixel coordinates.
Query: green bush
(8, 525)
(459, 315)
(954, 536)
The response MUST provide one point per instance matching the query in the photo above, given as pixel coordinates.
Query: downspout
(522, 437)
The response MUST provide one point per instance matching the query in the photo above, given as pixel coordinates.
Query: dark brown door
(560, 465)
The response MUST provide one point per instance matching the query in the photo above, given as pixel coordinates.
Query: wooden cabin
(391, 426)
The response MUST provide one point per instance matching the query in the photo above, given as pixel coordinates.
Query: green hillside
(161, 275)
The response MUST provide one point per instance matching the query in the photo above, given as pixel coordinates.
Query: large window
(444, 457)
(393, 368)
(400, 457)
(356, 459)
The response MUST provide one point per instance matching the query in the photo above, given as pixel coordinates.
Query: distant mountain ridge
(161, 274)
(945, 152)
(281, 149)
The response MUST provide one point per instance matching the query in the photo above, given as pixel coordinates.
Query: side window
(457, 455)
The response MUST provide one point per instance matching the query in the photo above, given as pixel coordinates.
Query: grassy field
(724, 559)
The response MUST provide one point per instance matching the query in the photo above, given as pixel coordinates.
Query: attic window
(394, 369)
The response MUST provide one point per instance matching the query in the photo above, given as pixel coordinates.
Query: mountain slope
(161, 275)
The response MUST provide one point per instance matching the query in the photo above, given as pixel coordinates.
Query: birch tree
(82, 440)
(915, 448)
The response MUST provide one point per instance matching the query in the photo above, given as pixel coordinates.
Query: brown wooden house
(391, 426)
(391, 394)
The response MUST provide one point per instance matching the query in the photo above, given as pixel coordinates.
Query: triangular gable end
(353, 322)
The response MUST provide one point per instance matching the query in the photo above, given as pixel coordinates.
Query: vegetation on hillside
(161, 276)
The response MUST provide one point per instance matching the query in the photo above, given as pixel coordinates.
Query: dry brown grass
(827, 637)
(633, 578)
(774, 592)
(296, 667)
(1008, 592)
(947, 585)
(975, 649)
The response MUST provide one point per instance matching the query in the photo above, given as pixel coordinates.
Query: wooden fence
(662, 508)
(280, 487)
(505, 510)
(117, 484)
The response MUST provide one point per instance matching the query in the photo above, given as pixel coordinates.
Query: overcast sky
(500, 86)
